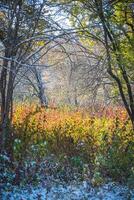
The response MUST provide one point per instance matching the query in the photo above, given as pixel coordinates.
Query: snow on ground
(81, 191)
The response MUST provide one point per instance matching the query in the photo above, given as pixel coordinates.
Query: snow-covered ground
(81, 191)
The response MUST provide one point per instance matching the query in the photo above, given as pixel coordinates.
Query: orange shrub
(105, 140)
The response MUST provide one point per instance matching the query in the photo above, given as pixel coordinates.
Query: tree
(20, 23)
(76, 74)
(25, 28)
(110, 23)
(38, 85)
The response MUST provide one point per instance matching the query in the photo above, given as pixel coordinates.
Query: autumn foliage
(104, 140)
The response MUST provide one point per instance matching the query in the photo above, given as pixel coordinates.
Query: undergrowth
(69, 144)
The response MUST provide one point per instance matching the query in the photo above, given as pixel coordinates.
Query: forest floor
(72, 191)
(65, 184)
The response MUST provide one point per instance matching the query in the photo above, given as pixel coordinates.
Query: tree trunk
(6, 83)
(3, 84)
(40, 87)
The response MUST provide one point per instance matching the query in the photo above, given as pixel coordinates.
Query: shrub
(104, 141)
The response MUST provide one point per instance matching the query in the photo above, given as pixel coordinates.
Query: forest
(66, 99)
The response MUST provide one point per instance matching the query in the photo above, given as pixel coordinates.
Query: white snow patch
(81, 191)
